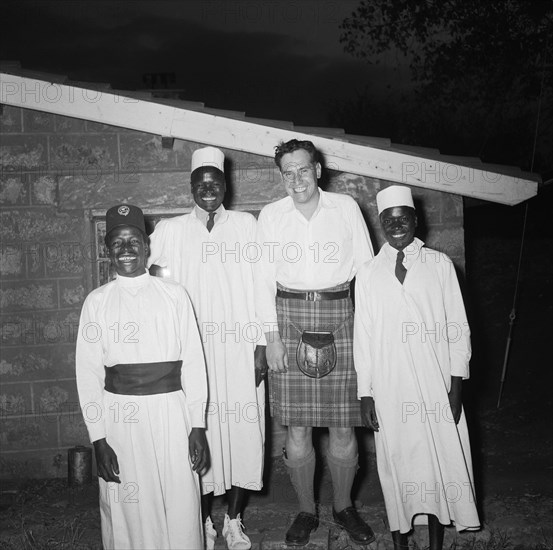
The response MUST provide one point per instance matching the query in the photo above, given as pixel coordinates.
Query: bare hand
(277, 356)
(199, 450)
(156, 270)
(106, 461)
(455, 398)
(368, 413)
(260, 362)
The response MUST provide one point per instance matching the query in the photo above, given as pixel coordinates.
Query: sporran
(316, 353)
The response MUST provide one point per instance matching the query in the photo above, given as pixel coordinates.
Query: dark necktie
(210, 221)
(400, 268)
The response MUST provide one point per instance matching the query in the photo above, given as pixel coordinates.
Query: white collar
(202, 215)
(140, 280)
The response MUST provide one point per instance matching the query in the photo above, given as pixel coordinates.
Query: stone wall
(56, 173)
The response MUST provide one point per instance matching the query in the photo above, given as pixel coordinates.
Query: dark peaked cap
(125, 214)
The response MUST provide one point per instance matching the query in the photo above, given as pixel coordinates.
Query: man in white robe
(142, 387)
(411, 352)
(211, 252)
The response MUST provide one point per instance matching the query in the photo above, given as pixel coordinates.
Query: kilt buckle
(312, 295)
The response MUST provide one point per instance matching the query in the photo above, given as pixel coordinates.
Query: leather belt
(143, 378)
(312, 295)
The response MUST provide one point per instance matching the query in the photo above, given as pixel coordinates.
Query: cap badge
(123, 210)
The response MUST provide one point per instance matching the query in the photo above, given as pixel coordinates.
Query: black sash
(144, 378)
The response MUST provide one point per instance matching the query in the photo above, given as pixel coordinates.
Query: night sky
(274, 59)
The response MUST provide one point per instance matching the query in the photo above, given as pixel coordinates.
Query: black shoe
(350, 520)
(298, 534)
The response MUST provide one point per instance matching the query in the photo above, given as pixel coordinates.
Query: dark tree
(480, 69)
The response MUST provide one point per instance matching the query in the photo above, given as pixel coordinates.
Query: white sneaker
(233, 531)
(210, 534)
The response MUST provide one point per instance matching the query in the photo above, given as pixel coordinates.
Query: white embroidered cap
(395, 195)
(208, 156)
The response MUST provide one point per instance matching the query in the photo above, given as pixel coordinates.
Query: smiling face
(208, 188)
(399, 224)
(299, 175)
(127, 251)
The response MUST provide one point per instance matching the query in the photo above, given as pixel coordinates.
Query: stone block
(161, 189)
(256, 187)
(75, 151)
(69, 124)
(38, 362)
(73, 429)
(22, 258)
(18, 296)
(21, 363)
(65, 258)
(449, 240)
(72, 292)
(42, 225)
(428, 204)
(55, 396)
(12, 261)
(183, 153)
(241, 161)
(46, 241)
(23, 152)
(54, 328)
(362, 189)
(15, 399)
(37, 122)
(44, 189)
(28, 432)
(99, 128)
(359, 187)
(141, 151)
(10, 120)
(38, 464)
(452, 209)
(14, 189)
(34, 254)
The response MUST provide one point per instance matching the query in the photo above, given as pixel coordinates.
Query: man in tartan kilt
(312, 243)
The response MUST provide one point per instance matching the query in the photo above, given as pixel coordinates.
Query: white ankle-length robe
(144, 320)
(409, 340)
(216, 268)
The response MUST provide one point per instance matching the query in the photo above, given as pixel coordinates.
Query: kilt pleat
(331, 401)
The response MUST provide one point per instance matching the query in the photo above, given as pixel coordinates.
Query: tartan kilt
(298, 400)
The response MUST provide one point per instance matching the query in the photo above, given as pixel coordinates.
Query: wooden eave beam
(243, 135)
